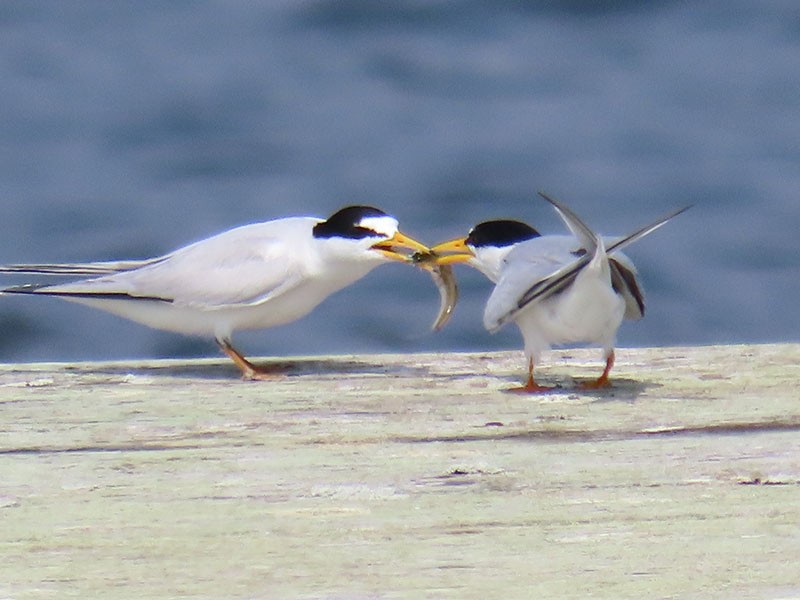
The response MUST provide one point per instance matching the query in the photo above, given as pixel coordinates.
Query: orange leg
(531, 387)
(602, 381)
(250, 372)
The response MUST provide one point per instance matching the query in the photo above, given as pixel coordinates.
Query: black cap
(346, 223)
(500, 233)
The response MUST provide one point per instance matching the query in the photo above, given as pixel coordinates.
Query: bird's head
(368, 233)
(484, 247)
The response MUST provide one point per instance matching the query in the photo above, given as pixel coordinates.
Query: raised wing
(646, 230)
(586, 237)
(508, 304)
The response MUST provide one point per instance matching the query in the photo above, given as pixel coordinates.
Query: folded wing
(244, 266)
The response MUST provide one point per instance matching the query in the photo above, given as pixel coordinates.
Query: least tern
(251, 277)
(558, 289)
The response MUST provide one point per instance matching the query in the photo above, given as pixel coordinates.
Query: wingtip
(493, 327)
(547, 197)
(492, 323)
(587, 237)
(26, 288)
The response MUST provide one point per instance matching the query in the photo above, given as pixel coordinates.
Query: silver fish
(445, 281)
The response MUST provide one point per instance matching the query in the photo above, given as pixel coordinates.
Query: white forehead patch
(385, 226)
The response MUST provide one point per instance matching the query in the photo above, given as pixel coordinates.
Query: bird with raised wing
(557, 289)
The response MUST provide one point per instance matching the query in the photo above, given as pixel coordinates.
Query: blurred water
(128, 129)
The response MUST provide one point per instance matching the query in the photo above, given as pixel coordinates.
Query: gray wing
(587, 238)
(623, 275)
(531, 265)
(572, 257)
(646, 230)
(243, 266)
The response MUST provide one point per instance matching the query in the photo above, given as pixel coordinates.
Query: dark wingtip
(27, 288)
(42, 290)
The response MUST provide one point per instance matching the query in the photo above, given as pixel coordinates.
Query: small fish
(445, 281)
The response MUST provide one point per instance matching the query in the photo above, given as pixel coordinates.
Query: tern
(557, 289)
(251, 277)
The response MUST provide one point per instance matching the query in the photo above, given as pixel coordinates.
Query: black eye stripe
(358, 233)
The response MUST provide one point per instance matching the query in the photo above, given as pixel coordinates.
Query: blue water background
(128, 129)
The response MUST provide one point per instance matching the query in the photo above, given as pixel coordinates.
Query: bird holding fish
(557, 289)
